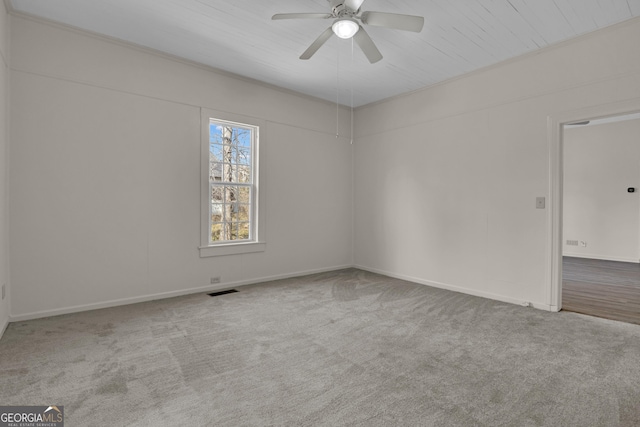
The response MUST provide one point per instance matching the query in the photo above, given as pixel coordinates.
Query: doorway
(608, 289)
(597, 233)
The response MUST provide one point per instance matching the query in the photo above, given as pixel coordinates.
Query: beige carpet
(342, 348)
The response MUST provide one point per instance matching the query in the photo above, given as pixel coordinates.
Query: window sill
(232, 249)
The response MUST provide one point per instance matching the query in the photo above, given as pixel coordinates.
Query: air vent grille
(216, 294)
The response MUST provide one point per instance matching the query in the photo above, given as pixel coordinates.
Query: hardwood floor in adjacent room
(608, 289)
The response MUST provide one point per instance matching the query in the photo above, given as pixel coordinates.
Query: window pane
(230, 194)
(243, 231)
(216, 193)
(227, 172)
(244, 158)
(243, 212)
(215, 133)
(216, 232)
(215, 153)
(217, 210)
(244, 194)
(244, 174)
(215, 171)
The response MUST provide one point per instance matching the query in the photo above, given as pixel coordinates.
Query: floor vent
(215, 294)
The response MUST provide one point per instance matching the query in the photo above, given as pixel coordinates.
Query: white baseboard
(163, 295)
(3, 327)
(601, 257)
(222, 286)
(502, 298)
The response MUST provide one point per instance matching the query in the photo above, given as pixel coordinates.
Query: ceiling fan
(346, 14)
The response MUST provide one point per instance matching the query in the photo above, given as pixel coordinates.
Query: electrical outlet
(215, 280)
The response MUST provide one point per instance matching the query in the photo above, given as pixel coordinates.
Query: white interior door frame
(555, 131)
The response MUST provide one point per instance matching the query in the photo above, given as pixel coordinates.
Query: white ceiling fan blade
(317, 44)
(353, 4)
(300, 16)
(367, 45)
(394, 21)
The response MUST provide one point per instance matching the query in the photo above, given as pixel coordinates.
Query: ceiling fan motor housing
(339, 9)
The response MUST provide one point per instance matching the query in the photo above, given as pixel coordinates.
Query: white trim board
(223, 286)
(163, 295)
(466, 291)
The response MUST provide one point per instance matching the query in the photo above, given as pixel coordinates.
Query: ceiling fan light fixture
(345, 28)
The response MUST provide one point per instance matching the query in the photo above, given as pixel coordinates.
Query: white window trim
(258, 243)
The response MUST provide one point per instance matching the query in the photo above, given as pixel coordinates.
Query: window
(230, 181)
(230, 205)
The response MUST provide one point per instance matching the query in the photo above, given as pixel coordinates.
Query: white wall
(600, 163)
(4, 95)
(446, 177)
(105, 144)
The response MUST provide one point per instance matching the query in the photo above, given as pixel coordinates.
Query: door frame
(555, 133)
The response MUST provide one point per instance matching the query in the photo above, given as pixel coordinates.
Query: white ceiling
(239, 36)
